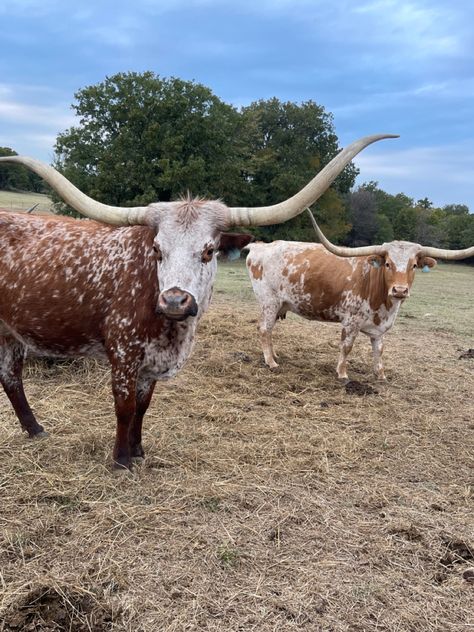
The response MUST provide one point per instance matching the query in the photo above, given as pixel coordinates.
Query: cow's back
(303, 278)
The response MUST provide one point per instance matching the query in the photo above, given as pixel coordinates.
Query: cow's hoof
(119, 467)
(137, 460)
(40, 435)
(121, 470)
(343, 380)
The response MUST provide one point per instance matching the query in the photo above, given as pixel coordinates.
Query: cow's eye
(415, 265)
(387, 265)
(207, 254)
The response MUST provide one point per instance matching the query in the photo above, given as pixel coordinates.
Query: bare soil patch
(267, 501)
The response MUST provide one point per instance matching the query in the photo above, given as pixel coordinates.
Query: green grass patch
(16, 200)
(441, 300)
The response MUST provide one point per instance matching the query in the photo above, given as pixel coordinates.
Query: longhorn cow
(361, 288)
(130, 287)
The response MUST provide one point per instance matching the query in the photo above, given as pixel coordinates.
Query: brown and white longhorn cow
(132, 292)
(318, 282)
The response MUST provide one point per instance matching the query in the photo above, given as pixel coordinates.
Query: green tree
(363, 216)
(459, 231)
(384, 232)
(456, 209)
(405, 224)
(285, 145)
(141, 138)
(424, 203)
(387, 204)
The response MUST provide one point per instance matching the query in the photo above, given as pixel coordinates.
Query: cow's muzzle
(177, 304)
(400, 291)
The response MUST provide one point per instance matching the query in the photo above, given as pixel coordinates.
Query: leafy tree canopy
(142, 138)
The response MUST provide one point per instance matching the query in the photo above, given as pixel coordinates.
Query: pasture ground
(268, 501)
(18, 200)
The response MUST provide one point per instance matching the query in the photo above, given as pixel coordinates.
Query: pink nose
(400, 291)
(177, 304)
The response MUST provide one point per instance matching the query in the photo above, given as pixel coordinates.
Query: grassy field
(441, 300)
(21, 201)
(269, 501)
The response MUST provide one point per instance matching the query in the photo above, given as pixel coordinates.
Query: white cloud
(421, 29)
(37, 116)
(443, 173)
(29, 127)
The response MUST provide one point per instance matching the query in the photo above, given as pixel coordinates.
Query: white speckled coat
(364, 294)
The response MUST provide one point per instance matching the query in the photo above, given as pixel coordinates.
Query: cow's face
(186, 245)
(399, 264)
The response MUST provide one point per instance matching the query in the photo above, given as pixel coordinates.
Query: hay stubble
(267, 501)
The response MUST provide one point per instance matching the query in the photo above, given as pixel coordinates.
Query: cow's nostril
(177, 304)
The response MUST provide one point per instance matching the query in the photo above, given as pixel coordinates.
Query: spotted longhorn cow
(361, 288)
(129, 286)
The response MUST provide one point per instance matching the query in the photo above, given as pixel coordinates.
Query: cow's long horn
(118, 215)
(442, 253)
(278, 213)
(344, 251)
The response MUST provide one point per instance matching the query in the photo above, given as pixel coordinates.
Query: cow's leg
(124, 388)
(12, 355)
(145, 388)
(377, 350)
(266, 323)
(348, 336)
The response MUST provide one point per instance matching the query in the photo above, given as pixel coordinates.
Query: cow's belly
(47, 343)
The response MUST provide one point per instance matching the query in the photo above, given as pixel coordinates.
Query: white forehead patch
(400, 253)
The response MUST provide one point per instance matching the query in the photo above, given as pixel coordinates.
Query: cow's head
(187, 243)
(189, 233)
(397, 260)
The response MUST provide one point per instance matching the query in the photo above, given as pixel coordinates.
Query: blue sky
(398, 66)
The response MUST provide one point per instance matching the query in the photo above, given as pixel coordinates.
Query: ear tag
(376, 264)
(426, 268)
(233, 254)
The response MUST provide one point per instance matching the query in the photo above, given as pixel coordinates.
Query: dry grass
(17, 200)
(268, 501)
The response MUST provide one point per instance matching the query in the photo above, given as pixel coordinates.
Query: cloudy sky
(398, 66)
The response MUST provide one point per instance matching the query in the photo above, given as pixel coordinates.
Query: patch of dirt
(46, 609)
(467, 354)
(354, 387)
(456, 551)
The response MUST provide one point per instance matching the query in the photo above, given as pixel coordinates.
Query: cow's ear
(376, 261)
(230, 245)
(426, 262)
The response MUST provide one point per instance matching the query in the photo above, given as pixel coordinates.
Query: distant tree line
(17, 178)
(376, 217)
(142, 138)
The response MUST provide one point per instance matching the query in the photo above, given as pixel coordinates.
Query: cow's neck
(374, 287)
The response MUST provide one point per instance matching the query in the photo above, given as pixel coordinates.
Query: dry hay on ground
(268, 501)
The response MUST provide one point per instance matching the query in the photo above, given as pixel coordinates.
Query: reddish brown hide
(77, 287)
